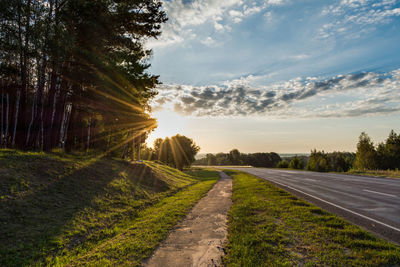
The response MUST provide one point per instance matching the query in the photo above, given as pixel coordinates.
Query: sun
(169, 124)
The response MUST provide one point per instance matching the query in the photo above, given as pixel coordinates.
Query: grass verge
(270, 227)
(377, 173)
(77, 210)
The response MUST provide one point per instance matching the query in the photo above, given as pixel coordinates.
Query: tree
(211, 160)
(340, 161)
(296, 163)
(74, 74)
(234, 157)
(366, 156)
(178, 151)
(388, 153)
(283, 164)
(318, 161)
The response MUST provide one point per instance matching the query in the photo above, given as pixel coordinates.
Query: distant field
(270, 227)
(71, 210)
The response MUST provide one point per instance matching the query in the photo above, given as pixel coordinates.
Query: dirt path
(199, 239)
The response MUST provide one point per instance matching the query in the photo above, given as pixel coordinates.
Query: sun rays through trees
(73, 74)
(178, 151)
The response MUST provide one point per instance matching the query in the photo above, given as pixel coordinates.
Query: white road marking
(340, 207)
(389, 195)
(308, 179)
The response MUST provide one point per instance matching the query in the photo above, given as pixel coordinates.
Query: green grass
(203, 174)
(376, 173)
(270, 227)
(76, 210)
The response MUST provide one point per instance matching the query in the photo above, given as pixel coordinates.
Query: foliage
(270, 227)
(283, 164)
(211, 159)
(178, 151)
(341, 161)
(318, 161)
(366, 156)
(335, 161)
(73, 74)
(296, 163)
(234, 157)
(388, 153)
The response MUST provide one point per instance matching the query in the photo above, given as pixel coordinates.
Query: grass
(76, 210)
(377, 173)
(270, 227)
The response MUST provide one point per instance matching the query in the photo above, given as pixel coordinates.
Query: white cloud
(354, 18)
(367, 93)
(187, 16)
(208, 41)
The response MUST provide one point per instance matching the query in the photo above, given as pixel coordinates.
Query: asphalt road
(372, 203)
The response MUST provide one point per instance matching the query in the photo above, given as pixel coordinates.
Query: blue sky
(278, 62)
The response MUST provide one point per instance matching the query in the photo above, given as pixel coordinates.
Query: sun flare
(169, 124)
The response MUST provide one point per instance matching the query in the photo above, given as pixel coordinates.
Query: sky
(278, 75)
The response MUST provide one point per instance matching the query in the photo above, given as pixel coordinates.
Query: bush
(318, 161)
(296, 163)
(282, 164)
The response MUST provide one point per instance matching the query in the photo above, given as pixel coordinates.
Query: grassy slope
(75, 210)
(270, 227)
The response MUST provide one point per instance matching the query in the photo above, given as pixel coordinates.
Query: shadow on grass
(31, 221)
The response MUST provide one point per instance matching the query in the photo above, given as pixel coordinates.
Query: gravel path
(200, 238)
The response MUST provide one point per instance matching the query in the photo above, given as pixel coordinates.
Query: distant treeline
(384, 156)
(234, 157)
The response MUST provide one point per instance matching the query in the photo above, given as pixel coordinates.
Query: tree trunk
(7, 111)
(62, 127)
(59, 115)
(16, 116)
(2, 112)
(139, 145)
(88, 135)
(133, 147)
(70, 125)
(33, 115)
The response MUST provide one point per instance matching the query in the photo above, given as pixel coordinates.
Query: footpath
(199, 240)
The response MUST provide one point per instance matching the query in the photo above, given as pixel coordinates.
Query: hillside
(61, 209)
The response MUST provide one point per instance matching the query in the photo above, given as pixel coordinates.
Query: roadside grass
(377, 173)
(203, 174)
(80, 210)
(270, 227)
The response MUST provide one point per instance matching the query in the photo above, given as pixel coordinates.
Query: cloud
(354, 18)
(365, 93)
(187, 16)
(208, 41)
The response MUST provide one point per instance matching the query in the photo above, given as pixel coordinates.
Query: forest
(234, 157)
(73, 74)
(384, 156)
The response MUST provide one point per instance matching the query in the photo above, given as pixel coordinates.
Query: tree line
(234, 157)
(384, 156)
(73, 73)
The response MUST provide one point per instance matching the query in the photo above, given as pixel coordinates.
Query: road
(372, 203)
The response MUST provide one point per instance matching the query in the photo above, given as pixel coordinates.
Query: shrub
(282, 164)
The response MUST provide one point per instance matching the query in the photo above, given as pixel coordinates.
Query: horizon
(278, 75)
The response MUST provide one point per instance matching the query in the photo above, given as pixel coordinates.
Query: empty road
(373, 203)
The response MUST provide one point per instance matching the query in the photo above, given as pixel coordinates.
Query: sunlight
(169, 123)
